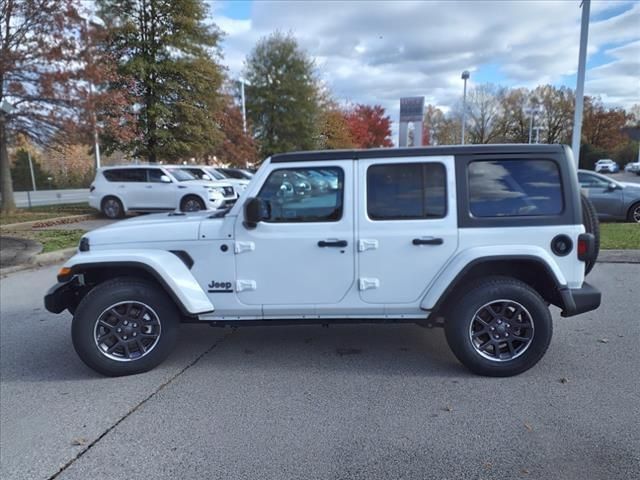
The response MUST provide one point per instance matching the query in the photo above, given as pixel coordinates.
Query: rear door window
(514, 188)
(404, 191)
(126, 175)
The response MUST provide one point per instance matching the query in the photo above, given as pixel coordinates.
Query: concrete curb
(48, 222)
(41, 260)
(619, 256)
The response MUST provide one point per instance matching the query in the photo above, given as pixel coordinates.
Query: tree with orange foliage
(369, 127)
(238, 148)
(45, 75)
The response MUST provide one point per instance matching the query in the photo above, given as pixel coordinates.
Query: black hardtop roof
(512, 148)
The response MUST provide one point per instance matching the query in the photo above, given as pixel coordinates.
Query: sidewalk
(619, 256)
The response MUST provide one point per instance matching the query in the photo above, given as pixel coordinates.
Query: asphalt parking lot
(348, 402)
(625, 177)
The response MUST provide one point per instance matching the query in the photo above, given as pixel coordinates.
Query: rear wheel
(191, 203)
(112, 208)
(634, 213)
(591, 225)
(124, 326)
(499, 328)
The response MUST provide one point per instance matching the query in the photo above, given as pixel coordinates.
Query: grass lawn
(45, 212)
(50, 239)
(619, 236)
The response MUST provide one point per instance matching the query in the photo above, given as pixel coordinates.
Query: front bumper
(580, 300)
(62, 295)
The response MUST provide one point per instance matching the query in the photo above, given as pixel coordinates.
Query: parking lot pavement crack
(138, 406)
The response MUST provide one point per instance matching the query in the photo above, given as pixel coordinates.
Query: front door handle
(332, 243)
(428, 241)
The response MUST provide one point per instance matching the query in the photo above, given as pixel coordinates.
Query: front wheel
(124, 326)
(634, 213)
(501, 327)
(191, 203)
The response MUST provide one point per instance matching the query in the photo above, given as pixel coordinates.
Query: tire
(469, 316)
(591, 225)
(634, 213)
(191, 203)
(147, 322)
(112, 208)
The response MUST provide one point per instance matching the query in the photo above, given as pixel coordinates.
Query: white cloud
(375, 52)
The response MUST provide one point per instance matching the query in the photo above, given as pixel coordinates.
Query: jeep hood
(159, 227)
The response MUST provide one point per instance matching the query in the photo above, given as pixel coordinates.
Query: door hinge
(367, 244)
(368, 283)
(244, 285)
(244, 247)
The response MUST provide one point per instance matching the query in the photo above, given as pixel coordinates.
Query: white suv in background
(153, 188)
(205, 172)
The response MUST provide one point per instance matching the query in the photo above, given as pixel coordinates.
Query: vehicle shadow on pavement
(363, 348)
(50, 356)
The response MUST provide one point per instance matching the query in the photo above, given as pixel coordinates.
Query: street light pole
(582, 60)
(530, 125)
(465, 77)
(244, 111)
(33, 177)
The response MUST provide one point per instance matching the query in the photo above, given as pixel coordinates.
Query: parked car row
(633, 167)
(612, 200)
(116, 191)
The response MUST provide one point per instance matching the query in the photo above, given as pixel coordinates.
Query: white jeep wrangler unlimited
(480, 239)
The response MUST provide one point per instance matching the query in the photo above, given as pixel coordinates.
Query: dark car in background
(613, 200)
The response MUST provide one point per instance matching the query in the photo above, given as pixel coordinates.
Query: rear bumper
(580, 300)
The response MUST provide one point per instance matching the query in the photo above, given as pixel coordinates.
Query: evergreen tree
(21, 173)
(167, 59)
(282, 95)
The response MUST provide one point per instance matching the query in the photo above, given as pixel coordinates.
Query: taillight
(583, 248)
(586, 246)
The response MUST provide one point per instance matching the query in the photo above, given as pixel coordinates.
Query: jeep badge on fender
(480, 239)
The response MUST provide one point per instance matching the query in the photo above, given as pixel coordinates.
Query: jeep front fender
(472, 256)
(169, 270)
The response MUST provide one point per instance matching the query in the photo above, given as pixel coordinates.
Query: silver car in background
(613, 200)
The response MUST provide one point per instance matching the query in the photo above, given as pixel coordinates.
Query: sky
(375, 52)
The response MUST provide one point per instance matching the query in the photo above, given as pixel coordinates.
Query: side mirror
(612, 186)
(255, 210)
(165, 179)
(205, 177)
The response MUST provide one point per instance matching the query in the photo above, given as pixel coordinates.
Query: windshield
(181, 175)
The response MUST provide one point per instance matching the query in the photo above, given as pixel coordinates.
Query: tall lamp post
(532, 111)
(465, 77)
(582, 60)
(244, 110)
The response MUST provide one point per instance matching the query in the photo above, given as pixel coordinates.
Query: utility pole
(96, 138)
(244, 111)
(465, 77)
(33, 177)
(582, 60)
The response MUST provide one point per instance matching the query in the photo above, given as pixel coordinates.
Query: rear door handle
(428, 241)
(332, 243)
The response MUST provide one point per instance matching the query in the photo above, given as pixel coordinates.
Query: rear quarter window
(514, 188)
(126, 175)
